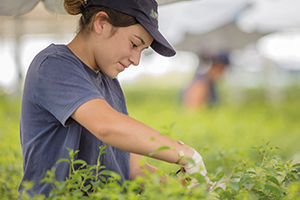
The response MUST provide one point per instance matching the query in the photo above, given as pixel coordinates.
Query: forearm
(142, 139)
(126, 133)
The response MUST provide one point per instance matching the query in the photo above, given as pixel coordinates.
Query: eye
(133, 45)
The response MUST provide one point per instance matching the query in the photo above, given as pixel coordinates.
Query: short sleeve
(62, 86)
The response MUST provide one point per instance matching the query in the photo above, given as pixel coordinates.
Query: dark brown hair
(115, 18)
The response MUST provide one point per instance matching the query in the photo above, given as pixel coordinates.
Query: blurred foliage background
(226, 130)
(222, 133)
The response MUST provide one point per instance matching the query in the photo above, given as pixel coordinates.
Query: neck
(80, 46)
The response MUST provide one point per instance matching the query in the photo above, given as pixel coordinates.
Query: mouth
(123, 66)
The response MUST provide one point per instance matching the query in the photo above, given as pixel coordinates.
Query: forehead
(137, 31)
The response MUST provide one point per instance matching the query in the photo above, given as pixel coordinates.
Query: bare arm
(197, 95)
(126, 133)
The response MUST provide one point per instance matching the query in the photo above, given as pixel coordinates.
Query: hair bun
(73, 6)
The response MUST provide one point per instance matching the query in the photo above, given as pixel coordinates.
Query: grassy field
(226, 129)
(222, 134)
(10, 149)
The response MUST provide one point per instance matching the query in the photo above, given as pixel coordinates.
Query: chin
(112, 76)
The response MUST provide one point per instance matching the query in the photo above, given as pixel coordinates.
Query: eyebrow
(143, 42)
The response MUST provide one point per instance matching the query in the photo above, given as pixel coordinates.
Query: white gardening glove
(196, 167)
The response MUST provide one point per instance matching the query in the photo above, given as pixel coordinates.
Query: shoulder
(56, 58)
(60, 52)
(55, 64)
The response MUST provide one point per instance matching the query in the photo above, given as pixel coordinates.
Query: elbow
(102, 131)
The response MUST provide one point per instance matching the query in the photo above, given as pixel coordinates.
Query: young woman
(72, 98)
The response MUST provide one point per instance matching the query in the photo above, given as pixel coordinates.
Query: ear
(100, 22)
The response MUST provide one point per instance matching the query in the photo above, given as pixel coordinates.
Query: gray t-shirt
(56, 84)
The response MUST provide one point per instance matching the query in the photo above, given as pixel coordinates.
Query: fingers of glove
(197, 158)
(197, 166)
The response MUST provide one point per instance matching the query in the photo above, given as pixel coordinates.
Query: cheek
(104, 56)
(107, 64)
(121, 47)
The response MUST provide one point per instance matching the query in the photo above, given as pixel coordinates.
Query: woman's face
(120, 50)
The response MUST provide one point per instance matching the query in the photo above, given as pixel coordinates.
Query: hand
(196, 167)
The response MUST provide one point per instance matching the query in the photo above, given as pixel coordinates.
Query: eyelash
(133, 45)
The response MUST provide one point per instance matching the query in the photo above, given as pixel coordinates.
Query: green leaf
(273, 180)
(84, 171)
(248, 186)
(77, 193)
(272, 171)
(219, 176)
(159, 149)
(274, 189)
(244, 178)
(296, 165)
(101, 167)
(235, 186)
(266, 143)
(86, 188)
(106, 172)
(76, 178)
(79, 162)
(296, 176)
(199, 178)
(95, 184)
(190, 160)
(236, 169)
(63, 160)
(251, 172)
(111, 174)
(226, 195)
(103, 179)
(218, 190)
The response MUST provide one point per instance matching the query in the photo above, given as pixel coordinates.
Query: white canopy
(268, 16)
(20, 7)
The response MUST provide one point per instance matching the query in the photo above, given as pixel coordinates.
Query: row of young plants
(10, 149)
(223, 136)
(267, 178)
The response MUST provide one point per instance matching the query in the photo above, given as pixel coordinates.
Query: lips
(123, 66)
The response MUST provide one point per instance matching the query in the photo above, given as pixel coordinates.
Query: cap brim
(159, 44)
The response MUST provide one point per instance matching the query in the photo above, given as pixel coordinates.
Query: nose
(135, 58)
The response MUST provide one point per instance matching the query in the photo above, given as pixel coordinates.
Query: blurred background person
(202, 89)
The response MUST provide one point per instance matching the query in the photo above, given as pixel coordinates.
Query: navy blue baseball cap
(145, 12)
